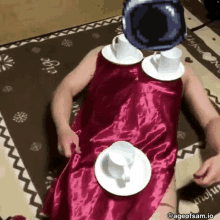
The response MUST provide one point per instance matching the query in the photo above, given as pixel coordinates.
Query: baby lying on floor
(85, 73)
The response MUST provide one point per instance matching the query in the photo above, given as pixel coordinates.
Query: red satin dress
(123, 104)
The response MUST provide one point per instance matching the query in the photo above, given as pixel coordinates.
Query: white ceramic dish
(108, 54)
(140, 174)
(150, 69)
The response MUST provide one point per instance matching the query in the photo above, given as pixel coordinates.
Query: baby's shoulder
(184, 78)
(96, 50)
(187, 76)
(92, 55)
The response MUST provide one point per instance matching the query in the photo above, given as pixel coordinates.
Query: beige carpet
(30, 18)
(13, 201)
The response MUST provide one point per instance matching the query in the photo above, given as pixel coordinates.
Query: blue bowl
(156, 25)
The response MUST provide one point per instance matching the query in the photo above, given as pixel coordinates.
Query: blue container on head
(156, 25)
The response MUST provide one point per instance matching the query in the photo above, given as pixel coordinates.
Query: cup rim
(167, 51)
(122, 38)
(112, 159)
(161, 68)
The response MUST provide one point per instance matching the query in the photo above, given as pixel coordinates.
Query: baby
(196, 99)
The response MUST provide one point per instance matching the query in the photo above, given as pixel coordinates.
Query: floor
(31, 18)
(26, 19)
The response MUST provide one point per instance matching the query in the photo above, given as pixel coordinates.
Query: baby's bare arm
(199, 104)
(71, 85)
(197, 99)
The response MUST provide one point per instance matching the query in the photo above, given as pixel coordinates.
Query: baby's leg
(168, 203)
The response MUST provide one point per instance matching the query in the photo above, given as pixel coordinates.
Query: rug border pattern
(62, 33)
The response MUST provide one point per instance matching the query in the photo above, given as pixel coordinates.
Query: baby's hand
(65, 139)
(209, 172)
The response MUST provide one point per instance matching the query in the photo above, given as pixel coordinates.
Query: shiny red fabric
(123, 103)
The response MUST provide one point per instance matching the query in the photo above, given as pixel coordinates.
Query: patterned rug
(30, 71)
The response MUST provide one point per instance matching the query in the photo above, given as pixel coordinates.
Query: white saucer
(107, 53)
(151, 70)
(140, 175)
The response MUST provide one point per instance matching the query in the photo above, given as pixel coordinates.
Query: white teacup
(169, 61)
(121, 158)
(122, 49)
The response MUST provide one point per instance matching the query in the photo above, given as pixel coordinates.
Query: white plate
(151, 70)
(140, 175)
(107, 53)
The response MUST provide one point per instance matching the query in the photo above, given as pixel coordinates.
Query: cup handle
(156, 61)
(113, 45)
(125, 175)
